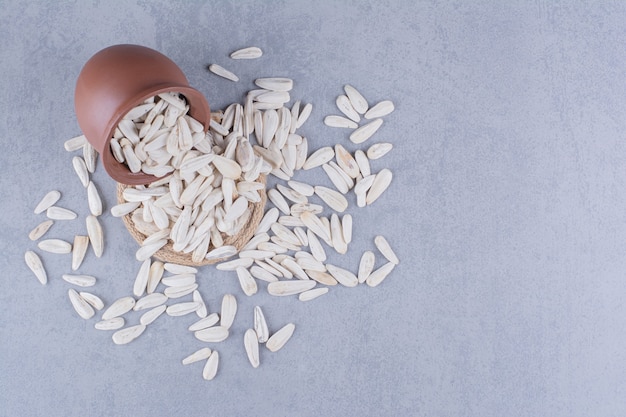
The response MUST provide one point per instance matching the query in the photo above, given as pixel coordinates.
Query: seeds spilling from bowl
(212, 185)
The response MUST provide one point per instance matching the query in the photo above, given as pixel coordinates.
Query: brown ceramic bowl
(115, 80)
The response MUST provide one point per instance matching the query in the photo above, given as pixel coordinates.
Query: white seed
(81, 306)
(222, 252)
(47, 201)
(178, 292)
(343, 276)
(315, 225)
(380, 184)
(227, 167)
(179, 269)
(273, 97)
(59, 213)
(81, 170)
(202, 310)
(346, 226)
(151, 315)
(214, 334)
(304, 114)
(79, 248)
(95, 203)
(344, 105)
(197, 356)
(359, 103)
(55, 246)
(124, 208)
(154, 277)
(282, 336)
(179, 280)
(275, 84)
(319, 157)
(336, 233)
(292, 195)
(262, 274)
(228, 311)
(295, 269)
(301, 153)
(150, 301)
(80, 280)
(181, 309)
(278, 200)
(119, 307)
(139, 111)
(364, 132)
(92, 299)
(332, 198)
(111, 324)
(234, 264)
(94, 230)
(250, 52)
(366, 266)
(336, 178)
(285, 288)
(40, 230)
(384, 248)
(247, 283)
(346, 161)
(260, 325)
(317, 250)
(127, 335)
(75, 143)
(210, 368)
(376, 277)
(302, 188)
(205, 322)
(90, 155)
(33, 261)
(251, 345)
(379, 110)
(362, 162)
(223, 72)
(146, 251)
(378, 150)
(340, 121)
(322, 277)
(312, 294)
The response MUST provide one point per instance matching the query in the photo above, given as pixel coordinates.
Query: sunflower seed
(332, 198)
(378, 150)
(275, 84)
(322, 277)
(179, 269)
(151, 315)
(362, 162)
(47, 201)
(262, 274)
(178, 292)
(380, 109)
(40, 230)
(95, 203)
(139, 111)
(278, 200)
(301, 153)
(384, 248)
(312, 294)
(150, 301)
(346, 161)
(75, 143)
(222, 252)
(336, 233)
(344, 105)
(223, 72)
(376, 277)
(59, 213)
(301, 235)
(304, 114)
(81, 170)
(79, 248)
(127, 335)
(214, 334)
(146, 251)
(205, 322)
(90, 155)
(179, 280)
(319, 157)
(210, 368)
(55, 246)
(309, 263)
(181, 309)
(80, 280)
(202, 310)
(284, 288)
(251, 345)
(380, 184)
(92, 299)
(111, 324)
(260, 325)
(124, 208)
(317, 250)
(343, 276)
(302, 188)
(340, 121)
(228, 311)
(361, 188)
(282, 336)
(119, 307)
(346, 226)
(359, 103)
(228, 167)
(198, 355)
(154, 276)
(364, 132)
(273, 97)
(292, 195)
(81, 306)
(247, 283)
(94, 230)
(315, 225)
(336, 178)
(295, 269)
(117, 152)
(34, 264)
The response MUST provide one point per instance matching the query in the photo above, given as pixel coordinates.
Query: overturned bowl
(115, 80)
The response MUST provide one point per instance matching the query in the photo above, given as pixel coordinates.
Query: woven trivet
(167, 253)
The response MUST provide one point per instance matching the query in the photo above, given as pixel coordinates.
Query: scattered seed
(197, 356)
(127, 335)
(364, 132)
(312, 294)
(81, 306)
(47, 201)
(40, 230)
(280, 338)
(34, 264)
(210, 368)
(223, 72)
(111, 324)
(59, 213)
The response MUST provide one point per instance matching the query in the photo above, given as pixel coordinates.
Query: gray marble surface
(507, 210)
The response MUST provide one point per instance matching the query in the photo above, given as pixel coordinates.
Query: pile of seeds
(211, 180)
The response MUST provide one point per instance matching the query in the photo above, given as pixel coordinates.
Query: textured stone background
(507, 210)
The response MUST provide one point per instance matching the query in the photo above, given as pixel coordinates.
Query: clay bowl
(115, 80)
